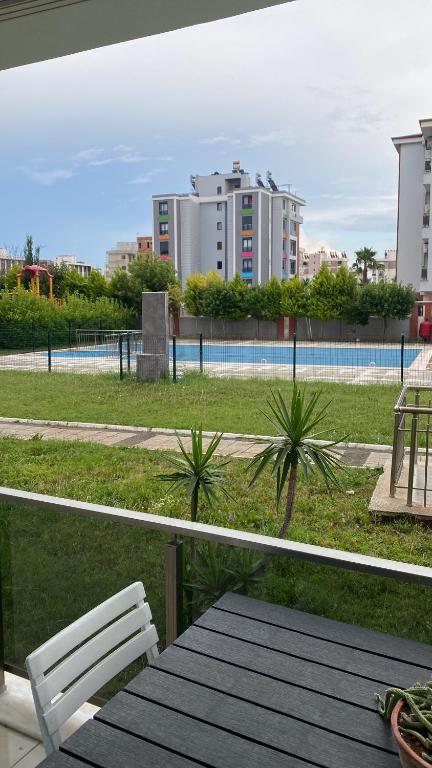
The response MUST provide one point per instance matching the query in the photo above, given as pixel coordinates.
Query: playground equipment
(35, 272)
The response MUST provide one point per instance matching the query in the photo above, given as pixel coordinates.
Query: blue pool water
(260, 354)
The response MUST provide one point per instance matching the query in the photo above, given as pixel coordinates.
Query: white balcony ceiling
(35, 30)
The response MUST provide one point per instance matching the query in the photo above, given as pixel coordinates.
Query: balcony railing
(424, 273)
(60, 557)
(412, 419)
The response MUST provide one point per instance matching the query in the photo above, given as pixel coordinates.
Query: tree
(122, 288)
(227, 301)
(196, 287)
(151, 273)
(322, 295)
(365, 260)
(96, 285)
(295, 298)
(31, 253)
(345, 292)
(264, 301)
(198, 471)
(293, 447)
(386, 300)
(74, 283)
(11, 279)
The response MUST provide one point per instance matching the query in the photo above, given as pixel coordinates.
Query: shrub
(264, 301)
(295, 298)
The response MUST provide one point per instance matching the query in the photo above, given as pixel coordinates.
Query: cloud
(146, 177)
(212, 140)
(99, 163)
(47, 178)
(122, 148)
(375, 213)
(133, 158)
(281, 136)
(89, 154)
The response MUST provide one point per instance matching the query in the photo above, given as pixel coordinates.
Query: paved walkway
(238, 446)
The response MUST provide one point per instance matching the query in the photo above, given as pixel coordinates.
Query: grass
(55, 567)
(363, 412)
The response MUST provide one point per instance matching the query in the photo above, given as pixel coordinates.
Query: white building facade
(414, 254)
(386, 272)
(71, 262)
(310, 262)
(228, 226)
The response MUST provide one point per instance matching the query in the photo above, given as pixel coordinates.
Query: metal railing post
(395, 454)
(201, 355)
(121, 355)
(294, 356)
(49, 344)
(33, 336)
(70, 333)
(412, 459)
(173, 589)
(174, 344)
(2, 649)
(402, 357)
(128, 353)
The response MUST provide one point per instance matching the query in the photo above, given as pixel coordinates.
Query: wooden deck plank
(419, 654)
(105, 746)
(276, 665)
(320, 710)
(271, 729)
(191, 738)
(60, 760)
(385, 671)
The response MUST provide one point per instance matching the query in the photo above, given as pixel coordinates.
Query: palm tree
(294, 447)
(365, 260)
(198, 471)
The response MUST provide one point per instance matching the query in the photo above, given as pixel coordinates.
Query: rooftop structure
(125, 253)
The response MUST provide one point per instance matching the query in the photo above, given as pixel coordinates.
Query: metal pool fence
(116, 351)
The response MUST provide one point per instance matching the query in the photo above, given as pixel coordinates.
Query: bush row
(326, 297)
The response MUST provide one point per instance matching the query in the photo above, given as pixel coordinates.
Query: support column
(153, 362)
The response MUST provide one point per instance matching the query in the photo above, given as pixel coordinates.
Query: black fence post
(201, 353)
(33, 336)
(294, 356)
(128, 352)
(70, 333)
(402, 350)
(121, 355)
(49, 344)
(174, 345)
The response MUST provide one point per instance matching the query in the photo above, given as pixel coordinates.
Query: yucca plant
(294, 447)
(415, 721)
(219, 569)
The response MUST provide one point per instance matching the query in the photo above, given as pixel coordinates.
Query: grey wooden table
(254, 684)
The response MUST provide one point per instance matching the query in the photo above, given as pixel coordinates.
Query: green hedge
(327, 296)
(25, 318)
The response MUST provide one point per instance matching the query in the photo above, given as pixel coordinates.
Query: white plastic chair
(66, 670)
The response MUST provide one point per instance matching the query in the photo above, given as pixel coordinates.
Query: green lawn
(364, 413)
(55, 567)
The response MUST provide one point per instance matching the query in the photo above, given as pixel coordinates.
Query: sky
(312, 90)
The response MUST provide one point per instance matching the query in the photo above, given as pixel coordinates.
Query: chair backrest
(70, 667)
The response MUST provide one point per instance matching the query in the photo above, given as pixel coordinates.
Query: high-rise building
(413, 229)
(227, 225)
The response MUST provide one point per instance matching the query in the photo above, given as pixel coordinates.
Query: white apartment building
(386, 272)
(413, 231)
(309, 263)
(227, 225)
(82, 267)
(7, 261)
(125, 253)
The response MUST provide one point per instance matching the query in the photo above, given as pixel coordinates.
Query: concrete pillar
(153, 363)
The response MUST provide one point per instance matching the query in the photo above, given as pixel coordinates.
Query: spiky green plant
(416, 719)
(198, 471)
(293, 447)
(219, 569)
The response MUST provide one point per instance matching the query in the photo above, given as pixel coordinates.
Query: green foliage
(415, 721)
(30, 253)
(218, 569)
(196, 288)
(151, 273)
(295, 298)
(386, 300)
(365, 260)
(20, 311)
(97, 286)
(74, 283)
(12, 277)
(264, 301)
(122, 289)
(295, 426)
(198, 471)
(226, 300)
(322, 295)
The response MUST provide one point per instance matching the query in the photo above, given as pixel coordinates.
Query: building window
(293, 207)
(219, 245)
(292, 267)
(124, 268)
(149, 245)
(293, 228)
(163, 208)
(247, 244)
(284, 204)
(219, 225)
(247, 265)
(164, 248)
(123, 256)
(293, 248)
(219, 265)
(246, 222)
(246, 201)
(218, 206)
(131, 257)
(163, 227)
(284, 242)
(284, 225)
(248, 281)
(219, 190)
(284, 265)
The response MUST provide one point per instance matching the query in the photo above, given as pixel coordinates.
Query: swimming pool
(276, 354)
